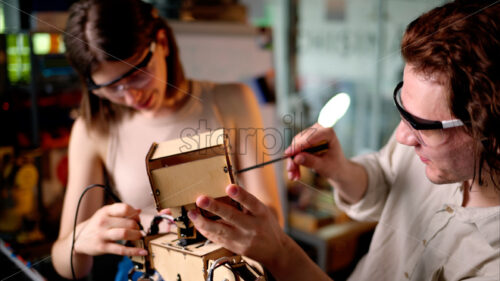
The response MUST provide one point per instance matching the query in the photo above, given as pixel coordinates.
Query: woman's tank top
(131, 139)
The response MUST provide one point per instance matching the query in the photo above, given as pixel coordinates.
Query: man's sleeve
(379, 167)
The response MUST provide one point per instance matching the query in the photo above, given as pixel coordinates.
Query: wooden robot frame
(179, 171)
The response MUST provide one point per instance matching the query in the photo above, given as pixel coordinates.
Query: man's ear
(162, 40)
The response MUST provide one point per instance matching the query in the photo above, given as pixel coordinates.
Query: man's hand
(253, 232)
(327, 164)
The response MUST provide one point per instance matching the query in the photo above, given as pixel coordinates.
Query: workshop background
(295, 54)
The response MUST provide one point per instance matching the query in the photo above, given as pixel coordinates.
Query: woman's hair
(112, 30)
(461, 42)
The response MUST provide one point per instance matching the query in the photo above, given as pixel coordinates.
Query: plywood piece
(182, 184)
(222, 273)
(190, 263)
(187, 144)
(140, 244)
(187, 157)
(138, 259)
(169, 241)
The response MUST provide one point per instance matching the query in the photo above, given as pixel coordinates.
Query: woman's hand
(253, 232)
(328, 164)
(98, 235)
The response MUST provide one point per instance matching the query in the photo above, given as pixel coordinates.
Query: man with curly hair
(434, 189)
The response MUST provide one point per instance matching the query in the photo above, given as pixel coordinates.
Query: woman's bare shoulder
(236, 96)
(85, 139)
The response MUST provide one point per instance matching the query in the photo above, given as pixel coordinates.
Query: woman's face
(144, 89)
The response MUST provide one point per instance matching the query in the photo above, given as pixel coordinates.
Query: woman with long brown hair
(135, 93)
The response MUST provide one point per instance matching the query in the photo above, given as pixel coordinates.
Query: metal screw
(157, 192)
(225, 169)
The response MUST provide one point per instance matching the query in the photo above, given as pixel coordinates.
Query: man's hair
(460, 41)
(113, 30)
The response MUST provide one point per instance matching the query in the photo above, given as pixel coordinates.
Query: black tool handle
(317, 149)
(321, 147)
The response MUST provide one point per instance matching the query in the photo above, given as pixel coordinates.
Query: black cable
(111, 194)
(154, 228)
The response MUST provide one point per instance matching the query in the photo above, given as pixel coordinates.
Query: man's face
(450, 161)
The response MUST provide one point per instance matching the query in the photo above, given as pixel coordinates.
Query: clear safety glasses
(136, 78)
(427, 132)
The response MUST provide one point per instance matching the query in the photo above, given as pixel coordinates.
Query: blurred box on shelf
(18, 195)
(55, 176)
(230, 12)
(343, 242)
(309, 221)
(49, 21)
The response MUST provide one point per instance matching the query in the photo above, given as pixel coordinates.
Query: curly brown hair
(111, 30)
(461, 41)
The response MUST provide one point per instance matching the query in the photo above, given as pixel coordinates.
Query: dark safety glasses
(137, 78)
(428, 132)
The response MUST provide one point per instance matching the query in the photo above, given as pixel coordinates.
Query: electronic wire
(111, 194)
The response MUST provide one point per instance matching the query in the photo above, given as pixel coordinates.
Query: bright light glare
(41, 43)
(2, 19)
(334, 109)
